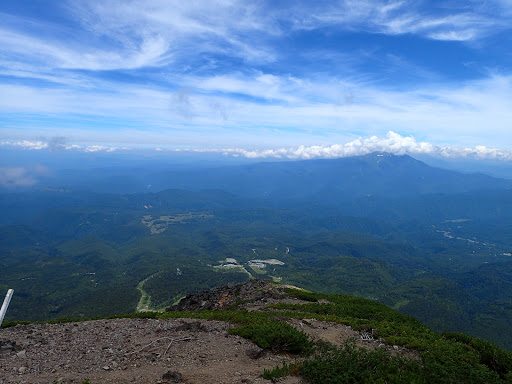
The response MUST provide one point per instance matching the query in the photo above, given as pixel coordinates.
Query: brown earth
(132, 351)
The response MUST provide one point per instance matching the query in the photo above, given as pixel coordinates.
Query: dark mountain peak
(376, 174)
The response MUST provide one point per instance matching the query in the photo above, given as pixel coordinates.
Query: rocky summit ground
(133, 350)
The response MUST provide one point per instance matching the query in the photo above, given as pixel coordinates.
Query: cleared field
(161, 223)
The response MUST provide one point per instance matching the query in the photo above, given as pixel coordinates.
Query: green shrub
(278, 336)
(260, 327)
(278, 372)
(447, 358)
(490, 355)
(351, 364)
(7, 324)
(302, 295)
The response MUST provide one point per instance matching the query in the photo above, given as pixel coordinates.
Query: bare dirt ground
(132, 351)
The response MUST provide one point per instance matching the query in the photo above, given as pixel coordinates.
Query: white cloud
(53, 53)
(282, 110)
(25, 144)
(392, 143)
(12, 177)
(260, 85)
(53, 144)
(99, 148)
(245, 103)
(404, 17)
(129, 34)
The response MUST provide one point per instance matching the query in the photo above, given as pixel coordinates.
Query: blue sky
(298, 79)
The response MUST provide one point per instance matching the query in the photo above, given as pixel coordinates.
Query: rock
(172, 377)
(22, 370)
(194, 326)
(106, 367)
(21, 353)
(7, 346)
(221, 297)
(255, 353)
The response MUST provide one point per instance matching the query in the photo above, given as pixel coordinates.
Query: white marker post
(7, 300)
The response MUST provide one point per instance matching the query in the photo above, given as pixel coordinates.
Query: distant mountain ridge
(381, 174)
(378, 173)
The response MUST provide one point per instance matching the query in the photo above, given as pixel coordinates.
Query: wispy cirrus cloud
(54, 53)
(283, 109)
(235, 74)
(451, 21)
(128, 34)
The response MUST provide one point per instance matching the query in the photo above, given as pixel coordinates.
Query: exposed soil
(132, 351)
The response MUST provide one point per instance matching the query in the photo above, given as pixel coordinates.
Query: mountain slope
(379, 174)
(239, 333)
(372, 174)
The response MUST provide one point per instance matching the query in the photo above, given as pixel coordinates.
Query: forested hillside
(434, 244)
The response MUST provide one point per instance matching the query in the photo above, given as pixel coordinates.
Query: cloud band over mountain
(392, 142)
